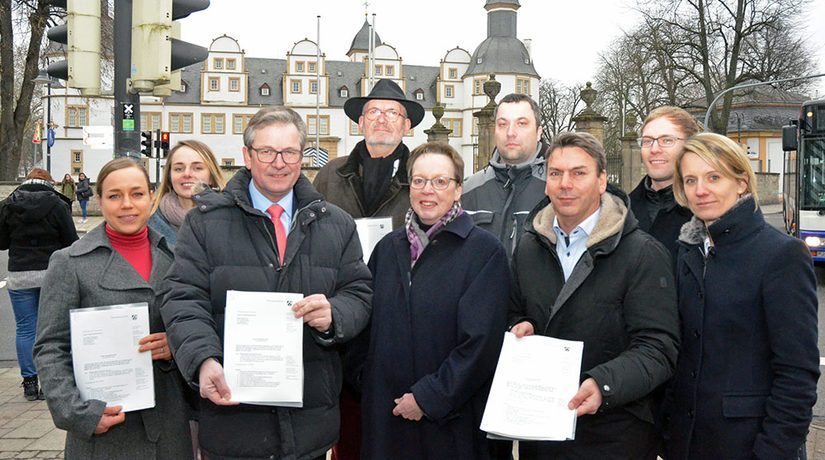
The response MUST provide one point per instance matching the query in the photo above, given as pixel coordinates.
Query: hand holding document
(535, 379)
(107, 364)
(370, 231)
(263, 348)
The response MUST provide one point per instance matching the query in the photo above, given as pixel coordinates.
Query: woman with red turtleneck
(121, 261)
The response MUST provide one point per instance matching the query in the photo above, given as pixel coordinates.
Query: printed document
(535, 379)
(107, 364)
(370, 231)
(263, 360)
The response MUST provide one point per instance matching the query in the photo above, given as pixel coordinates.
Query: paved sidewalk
(26, 428)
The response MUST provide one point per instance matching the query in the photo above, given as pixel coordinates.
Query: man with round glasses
(268, 231)
(371, 181)
(663, 136)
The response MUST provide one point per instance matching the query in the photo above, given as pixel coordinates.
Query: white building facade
(220, 95)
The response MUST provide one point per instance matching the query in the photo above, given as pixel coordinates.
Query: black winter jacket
(500, 196)
(620, 300)
(226, 244)
(35, 221)
(665, 227)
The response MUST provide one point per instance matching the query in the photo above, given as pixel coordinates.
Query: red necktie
(280, 233)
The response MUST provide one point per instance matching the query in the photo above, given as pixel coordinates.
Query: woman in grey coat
(121, 261)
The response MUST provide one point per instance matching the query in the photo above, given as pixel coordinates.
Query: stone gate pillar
(588, 120)
(438, 132)
(486, 125)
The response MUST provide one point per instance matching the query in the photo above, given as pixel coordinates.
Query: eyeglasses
(663, 141)
(391, 114)
(439, 183)
(266, 155)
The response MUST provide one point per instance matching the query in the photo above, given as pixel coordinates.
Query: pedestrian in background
(67, 187)
(439, 315)
(35, 221)
(84, 192)
(745, 381)
(120, 261)
(190, 167)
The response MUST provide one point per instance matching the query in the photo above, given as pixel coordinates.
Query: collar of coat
(97, 238)
(741, 219)
(236, 193)
(352, 167)
(535, 166)
(615, 220)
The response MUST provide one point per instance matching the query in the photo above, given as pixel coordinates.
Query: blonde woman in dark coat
(119, 262)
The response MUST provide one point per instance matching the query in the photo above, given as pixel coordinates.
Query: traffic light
(156, 53)
(146, 143)
(164, 143)
(81, 37)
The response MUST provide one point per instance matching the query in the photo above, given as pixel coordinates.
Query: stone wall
(767, 186)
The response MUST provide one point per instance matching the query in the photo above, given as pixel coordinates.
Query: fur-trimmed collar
(611, 220)
(695, 231)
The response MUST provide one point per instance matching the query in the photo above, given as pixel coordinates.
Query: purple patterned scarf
(418, 238)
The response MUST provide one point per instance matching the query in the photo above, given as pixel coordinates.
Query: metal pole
(48, 124)
(318, 91)
(712, 105)
(127, 142)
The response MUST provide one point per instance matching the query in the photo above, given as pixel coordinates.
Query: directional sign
(50, 137)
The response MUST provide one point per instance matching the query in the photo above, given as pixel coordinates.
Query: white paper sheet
(535, 379)
(370, 231)
(263, 348)
(107, 364)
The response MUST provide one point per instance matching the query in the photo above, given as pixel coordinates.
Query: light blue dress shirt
(571, 247)
(262, 203)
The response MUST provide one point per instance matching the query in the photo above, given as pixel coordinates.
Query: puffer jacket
(500, 196)
(227, 244)
(620, 300)
(35, 221)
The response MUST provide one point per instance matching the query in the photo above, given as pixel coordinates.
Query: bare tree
(16, 83)
(719, 44)
(558, 104)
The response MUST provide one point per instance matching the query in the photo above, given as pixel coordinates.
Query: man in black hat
(371, 181)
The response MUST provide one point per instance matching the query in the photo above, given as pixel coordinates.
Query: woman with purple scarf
(440, 298)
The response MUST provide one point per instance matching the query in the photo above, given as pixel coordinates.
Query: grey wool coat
(90, 273)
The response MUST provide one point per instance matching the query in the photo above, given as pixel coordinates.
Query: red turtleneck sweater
(134, 248)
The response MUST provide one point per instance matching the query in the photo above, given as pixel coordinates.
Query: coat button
(312, 214)
(203, 207)
(696, 333)
(693, 374)
(434, 242)
(606, 388)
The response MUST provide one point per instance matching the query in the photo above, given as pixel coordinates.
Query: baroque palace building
(220, 95)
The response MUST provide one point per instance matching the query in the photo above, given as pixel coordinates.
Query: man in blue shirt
(268, 231)
(584, 271)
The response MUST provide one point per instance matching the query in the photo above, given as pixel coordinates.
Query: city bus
(803, 190)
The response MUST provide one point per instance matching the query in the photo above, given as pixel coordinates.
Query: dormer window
(419, 95)
(183, 86)
(343, 92)
(264, 89)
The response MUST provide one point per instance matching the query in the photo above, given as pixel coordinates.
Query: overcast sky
(567, 36)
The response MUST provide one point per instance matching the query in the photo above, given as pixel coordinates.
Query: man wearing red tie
(269, 230)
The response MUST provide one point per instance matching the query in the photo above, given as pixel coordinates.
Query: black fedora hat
(385, 89)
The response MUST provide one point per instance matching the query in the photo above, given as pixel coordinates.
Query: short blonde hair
(726, 156)
(681, 118)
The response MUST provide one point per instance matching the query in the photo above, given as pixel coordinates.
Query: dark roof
(762, 108)
(361, 41)
(341, 73)
(501, 54)
(493, 2)
(269, 71)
